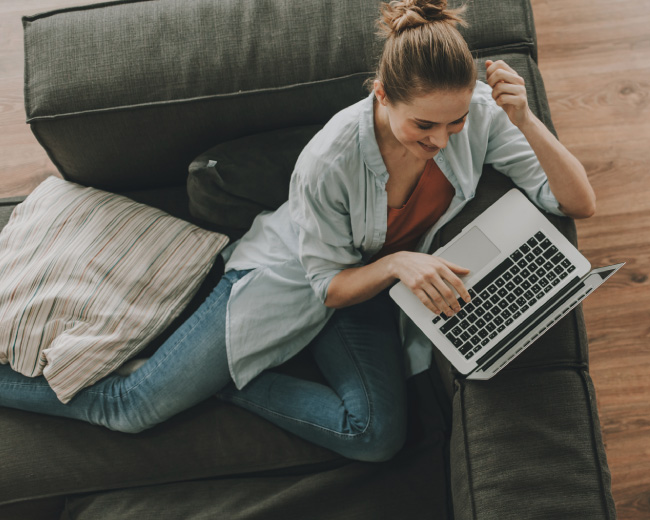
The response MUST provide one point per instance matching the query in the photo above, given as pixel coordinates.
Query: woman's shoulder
(339, 135)
(335, 148)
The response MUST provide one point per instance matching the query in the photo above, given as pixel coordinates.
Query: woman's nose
(439, 137)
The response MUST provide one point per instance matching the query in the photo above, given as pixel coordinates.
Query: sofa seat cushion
(529, 433)
(58, 456)
(412, 486)
(89, 278)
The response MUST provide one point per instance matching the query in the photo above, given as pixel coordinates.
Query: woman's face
(424, 124)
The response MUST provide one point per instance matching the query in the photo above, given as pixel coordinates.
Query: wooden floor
(595, 59)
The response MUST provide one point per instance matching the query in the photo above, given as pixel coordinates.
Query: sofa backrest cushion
(232, 182)
(123, 95)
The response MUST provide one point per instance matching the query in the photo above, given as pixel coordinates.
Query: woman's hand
(427, 276)
(509, 91)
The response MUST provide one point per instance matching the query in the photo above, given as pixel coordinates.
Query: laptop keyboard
(504, 294)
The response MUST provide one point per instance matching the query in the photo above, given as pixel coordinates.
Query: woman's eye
(424, 127)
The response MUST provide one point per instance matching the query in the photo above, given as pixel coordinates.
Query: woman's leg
(188, 368)
(362, 413)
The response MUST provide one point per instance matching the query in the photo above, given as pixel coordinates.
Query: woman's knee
(380, 441)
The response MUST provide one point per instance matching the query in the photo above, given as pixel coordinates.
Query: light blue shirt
(336, 218)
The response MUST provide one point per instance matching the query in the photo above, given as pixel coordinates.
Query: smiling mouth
(428, 148)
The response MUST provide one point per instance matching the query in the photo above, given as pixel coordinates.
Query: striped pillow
(88, 278)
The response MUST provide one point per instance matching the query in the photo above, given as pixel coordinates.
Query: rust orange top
(429, 200)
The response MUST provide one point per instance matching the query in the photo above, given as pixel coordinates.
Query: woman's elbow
(585, 210)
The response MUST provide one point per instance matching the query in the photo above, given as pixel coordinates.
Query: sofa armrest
(527, 444)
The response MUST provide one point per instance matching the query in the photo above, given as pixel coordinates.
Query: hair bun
(401, 15)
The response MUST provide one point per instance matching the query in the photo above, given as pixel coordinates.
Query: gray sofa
(123, 96)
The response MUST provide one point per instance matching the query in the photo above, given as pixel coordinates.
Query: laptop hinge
(529, 324)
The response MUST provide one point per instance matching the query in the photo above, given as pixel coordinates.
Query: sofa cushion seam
(196, 99)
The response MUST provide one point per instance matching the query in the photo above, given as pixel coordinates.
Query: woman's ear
(380, 93)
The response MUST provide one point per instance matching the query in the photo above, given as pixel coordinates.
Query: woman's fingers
(456, 282)
(504, 76)
(435, 281)
(493, 66)
(430, 296)
(439, 291)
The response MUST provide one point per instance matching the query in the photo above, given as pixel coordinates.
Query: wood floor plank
(595, 59)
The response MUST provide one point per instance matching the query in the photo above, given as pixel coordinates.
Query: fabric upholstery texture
(391, 491)
(188, 78)
(230, 184)
(88, 278)
(532, 434)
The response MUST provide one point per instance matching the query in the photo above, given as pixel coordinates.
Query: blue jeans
(360, 414)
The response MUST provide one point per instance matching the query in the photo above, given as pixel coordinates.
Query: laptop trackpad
(473, 250)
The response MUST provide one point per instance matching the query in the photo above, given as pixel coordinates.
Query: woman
(367, 195)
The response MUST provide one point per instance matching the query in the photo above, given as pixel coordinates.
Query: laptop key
(550, 252)
(493, 275)
(517, 255)
(450, 324)
(457, 342)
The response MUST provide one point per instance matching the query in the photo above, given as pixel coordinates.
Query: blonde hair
(423, 51)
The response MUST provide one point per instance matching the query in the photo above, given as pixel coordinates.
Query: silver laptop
(524, 276)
